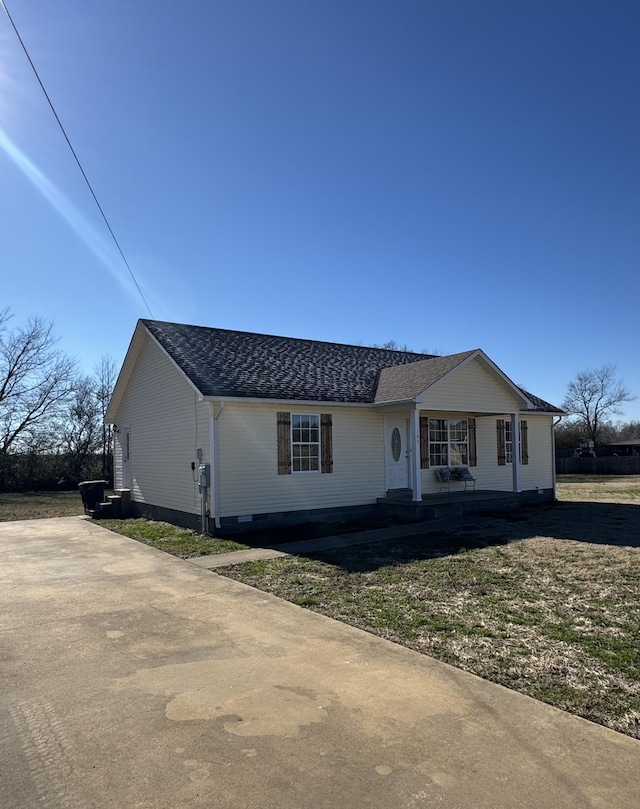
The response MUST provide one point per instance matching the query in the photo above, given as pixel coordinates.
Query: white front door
(396, 437)
(125, 450)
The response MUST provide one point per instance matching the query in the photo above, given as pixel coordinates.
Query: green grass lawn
(178, 541)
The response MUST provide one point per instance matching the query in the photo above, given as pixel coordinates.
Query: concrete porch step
(400, 494)
(117, 506)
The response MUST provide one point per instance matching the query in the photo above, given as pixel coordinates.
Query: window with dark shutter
(524, 442)
(502, 442)
(473, 452)
(326, 442)
(424, 442)
(448, 442)
(284, 443)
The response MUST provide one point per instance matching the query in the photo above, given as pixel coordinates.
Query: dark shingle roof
(220, 362)
(241, 364)
(540, 405)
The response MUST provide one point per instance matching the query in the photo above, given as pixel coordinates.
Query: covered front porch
(422, 445)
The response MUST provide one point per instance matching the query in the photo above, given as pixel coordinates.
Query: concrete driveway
(133, 680)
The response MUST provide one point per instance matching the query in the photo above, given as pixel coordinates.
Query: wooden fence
(611, 465)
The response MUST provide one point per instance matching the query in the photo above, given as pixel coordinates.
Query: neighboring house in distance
(290, 430)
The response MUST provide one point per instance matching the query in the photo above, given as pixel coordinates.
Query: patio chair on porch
(460, 474)
(468, 478)
(444, 478)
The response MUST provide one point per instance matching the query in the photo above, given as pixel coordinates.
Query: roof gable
(416, 381)
(400, 383)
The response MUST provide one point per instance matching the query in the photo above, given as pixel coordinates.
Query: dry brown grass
(38, 505)
(544, 602)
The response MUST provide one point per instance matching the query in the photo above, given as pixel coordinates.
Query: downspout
(214, 415)
(554, 424)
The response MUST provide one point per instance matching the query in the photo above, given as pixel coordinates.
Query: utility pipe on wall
(214, 499)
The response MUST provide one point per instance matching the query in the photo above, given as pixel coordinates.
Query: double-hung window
(305, 443)
(448, 442)
(508, 442)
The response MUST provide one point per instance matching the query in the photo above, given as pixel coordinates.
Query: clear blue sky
(449, 174)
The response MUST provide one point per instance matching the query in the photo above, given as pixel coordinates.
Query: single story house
(232, 431)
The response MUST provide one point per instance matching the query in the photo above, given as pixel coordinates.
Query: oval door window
(396, 444)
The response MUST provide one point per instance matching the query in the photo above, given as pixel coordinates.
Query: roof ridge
(148, 321)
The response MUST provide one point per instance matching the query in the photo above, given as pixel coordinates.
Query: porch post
(515, 451)
(414, 455)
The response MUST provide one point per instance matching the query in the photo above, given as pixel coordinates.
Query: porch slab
(448, 504)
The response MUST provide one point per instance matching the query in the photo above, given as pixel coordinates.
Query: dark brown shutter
(502, 443)
(326, 442)
(424, 442)
(524, 442)
(473, 453)
(284, 443)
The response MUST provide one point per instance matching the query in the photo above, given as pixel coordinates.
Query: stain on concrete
(443, 779)
(260, 695)
(244, 700)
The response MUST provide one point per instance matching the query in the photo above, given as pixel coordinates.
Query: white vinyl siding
(167, 424)
(539, 471)
(473, 389)
(249, 480)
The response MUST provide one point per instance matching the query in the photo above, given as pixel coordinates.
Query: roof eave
(281, 402)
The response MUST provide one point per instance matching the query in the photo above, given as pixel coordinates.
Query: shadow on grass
(373, 556)
(274, 537)
(598, 523)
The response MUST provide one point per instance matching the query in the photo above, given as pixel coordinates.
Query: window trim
(505, 442)
(508, 443)
(318, 443)
(447, 444)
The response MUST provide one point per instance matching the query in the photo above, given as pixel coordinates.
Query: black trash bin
(92, 493)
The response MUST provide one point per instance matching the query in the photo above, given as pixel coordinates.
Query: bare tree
(105, 379)
(36, 378)
(393, 345)
(628, 431)
(80, 429)
(593, 396)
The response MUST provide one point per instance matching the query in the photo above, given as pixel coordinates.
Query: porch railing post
(414, 455)
(515, 451)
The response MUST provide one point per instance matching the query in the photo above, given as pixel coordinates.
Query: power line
(73, 152)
